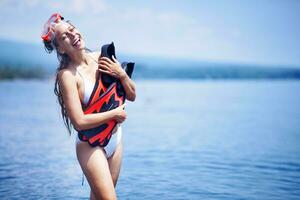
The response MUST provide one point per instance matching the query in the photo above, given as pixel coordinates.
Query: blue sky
(245, 31)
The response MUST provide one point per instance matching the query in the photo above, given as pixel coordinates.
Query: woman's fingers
(103, 66)
(105, 71)
(122, 106)
(112, 66)
(108, 71)
(107, 60)
(114, 59)
(104, 63)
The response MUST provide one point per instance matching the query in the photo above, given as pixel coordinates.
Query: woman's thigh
(96, 169)
(115, 162)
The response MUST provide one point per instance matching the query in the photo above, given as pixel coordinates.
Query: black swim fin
(108, 50)
(128, 67)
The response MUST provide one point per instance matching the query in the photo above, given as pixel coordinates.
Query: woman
(74, 83)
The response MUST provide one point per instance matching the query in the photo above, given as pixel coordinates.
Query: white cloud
(161, 33)
(80, 6)
(136, 30)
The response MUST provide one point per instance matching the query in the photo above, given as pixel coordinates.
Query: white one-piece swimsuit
(117, 132)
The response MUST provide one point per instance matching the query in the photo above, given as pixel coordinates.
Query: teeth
(77, 44)
(76, 40)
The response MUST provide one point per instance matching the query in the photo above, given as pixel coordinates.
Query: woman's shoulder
(66, 74)
(95, 54)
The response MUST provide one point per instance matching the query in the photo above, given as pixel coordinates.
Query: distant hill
(26, 55)
(18, 59)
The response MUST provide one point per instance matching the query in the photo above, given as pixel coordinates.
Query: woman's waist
(117, 128)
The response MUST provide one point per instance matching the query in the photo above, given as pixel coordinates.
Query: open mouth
(77, 41)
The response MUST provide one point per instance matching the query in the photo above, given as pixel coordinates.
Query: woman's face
(68, 38)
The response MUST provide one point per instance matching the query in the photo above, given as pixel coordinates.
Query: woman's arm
(71, 99)
(129, 86)
(114, 68)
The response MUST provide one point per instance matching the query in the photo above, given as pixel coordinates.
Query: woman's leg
(92, 196)
(115, 162)
(94, 164)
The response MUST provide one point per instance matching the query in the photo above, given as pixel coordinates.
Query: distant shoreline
(11, 72)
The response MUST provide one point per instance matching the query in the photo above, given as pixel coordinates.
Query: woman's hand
(120, 114)
(111, 67)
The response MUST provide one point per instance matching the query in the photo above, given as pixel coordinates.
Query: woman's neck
(80, 58)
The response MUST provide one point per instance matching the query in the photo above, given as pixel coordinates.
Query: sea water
(183, 139)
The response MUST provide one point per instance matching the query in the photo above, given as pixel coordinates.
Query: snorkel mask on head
(48, 33)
